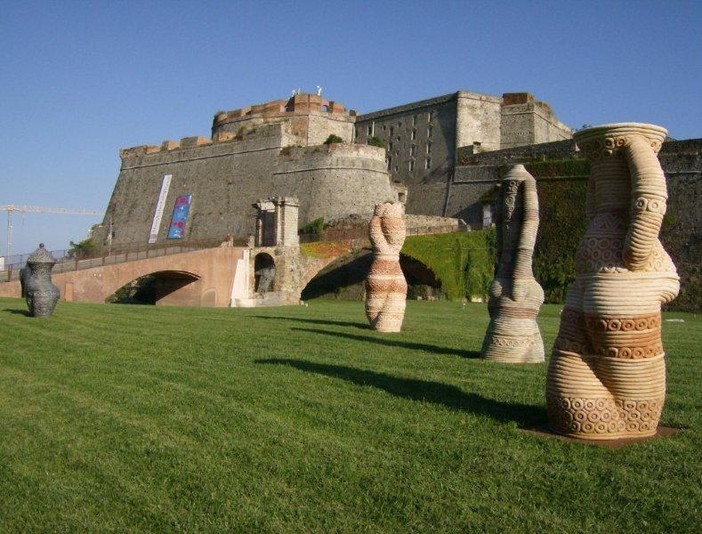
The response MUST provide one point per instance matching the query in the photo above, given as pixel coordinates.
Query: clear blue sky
(81, 79)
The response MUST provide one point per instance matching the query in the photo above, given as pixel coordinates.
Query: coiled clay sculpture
(40, 292)
(606, 378)
(515, 296)
(386, 288)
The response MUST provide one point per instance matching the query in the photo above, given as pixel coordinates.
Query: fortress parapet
(309, 118)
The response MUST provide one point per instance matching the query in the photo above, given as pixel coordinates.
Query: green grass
(302, 419)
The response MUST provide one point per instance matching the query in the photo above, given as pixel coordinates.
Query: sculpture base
(617, 443)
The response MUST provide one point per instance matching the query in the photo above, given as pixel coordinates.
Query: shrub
(315, 227)
(376, 141)
(333, 139)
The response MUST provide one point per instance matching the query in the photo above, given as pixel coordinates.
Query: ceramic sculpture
(386, 288)
(606, 377)
(515, 296)
(40, 292)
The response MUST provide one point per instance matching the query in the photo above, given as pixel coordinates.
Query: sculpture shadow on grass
(424, 390)
(361, 326)
(19, 312)
(387, 340)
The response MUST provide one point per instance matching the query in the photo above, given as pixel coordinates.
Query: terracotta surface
(386, 287)
(606, 378)
(515, 296)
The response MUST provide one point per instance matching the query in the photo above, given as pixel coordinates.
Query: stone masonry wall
(420, 139)
(478, 120)
(226, 178)
(334, 180)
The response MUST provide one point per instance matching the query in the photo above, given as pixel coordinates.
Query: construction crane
(11, 208)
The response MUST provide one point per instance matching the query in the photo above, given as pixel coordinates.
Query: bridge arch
(264, 273)
(171, 287)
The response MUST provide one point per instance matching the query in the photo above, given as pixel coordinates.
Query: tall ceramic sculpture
(515, 296)
(606, 378)
(40, 292)
(386, 288)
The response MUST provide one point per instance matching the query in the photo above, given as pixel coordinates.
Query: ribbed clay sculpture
(515, 296)
(606, 378)
(386, 288)
(40, 292)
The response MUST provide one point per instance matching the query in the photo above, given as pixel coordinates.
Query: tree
(87, 248)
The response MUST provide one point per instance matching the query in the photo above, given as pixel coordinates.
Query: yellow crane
(11, 208)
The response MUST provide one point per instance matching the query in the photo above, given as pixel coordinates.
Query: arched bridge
(196, 278)
(214, 277)
(211, 277)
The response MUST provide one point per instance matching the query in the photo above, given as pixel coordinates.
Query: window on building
(430, 130)
(391, 130)
(413, 150)
(414, 134)
(429, 147)
(389, 162)
(411, 165)
(370, 130)
(414, 120)
(427, 164)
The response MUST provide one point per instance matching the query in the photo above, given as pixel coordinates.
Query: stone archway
(264, 273)
(161, 287)
(422, 281)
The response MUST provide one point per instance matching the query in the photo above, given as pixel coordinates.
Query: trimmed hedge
(463, 262)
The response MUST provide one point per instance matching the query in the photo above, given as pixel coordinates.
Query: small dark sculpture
(40, 292)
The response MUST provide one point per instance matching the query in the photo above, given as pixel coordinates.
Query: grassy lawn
(302, 419)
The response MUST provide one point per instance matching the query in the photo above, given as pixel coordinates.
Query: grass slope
(302, 419)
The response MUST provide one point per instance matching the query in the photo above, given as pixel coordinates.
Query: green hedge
(463, 262)
(562, 223)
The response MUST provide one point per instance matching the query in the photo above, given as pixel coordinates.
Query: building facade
(423, 138)
(204, 188)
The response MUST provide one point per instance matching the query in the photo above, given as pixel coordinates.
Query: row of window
(412, 163)
(431, 115)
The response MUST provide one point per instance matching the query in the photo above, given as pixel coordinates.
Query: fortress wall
(420, 140)
(224, 180)
(526, 121)
(333, 181)
(467, 189)
(478, 120)
(322, 125)
(546, 127)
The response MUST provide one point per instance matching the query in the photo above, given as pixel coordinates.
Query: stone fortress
(440, 157)
(277, 150)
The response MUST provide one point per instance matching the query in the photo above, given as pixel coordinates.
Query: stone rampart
(344, 178)
(226, 177)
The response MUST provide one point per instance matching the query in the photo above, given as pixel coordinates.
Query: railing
(67, 262)
(350, 234)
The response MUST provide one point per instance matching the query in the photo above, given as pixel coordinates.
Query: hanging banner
(160, 205)
(181, 211)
